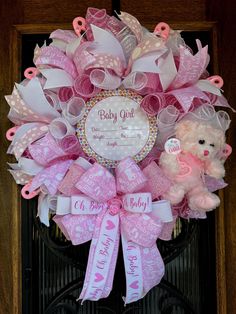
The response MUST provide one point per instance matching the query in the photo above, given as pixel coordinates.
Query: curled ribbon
(104, 212)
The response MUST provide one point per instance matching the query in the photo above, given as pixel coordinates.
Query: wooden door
(25, 12)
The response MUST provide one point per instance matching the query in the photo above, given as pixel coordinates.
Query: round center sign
(114, 127)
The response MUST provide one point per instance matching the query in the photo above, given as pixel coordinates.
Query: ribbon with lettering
(107, 208)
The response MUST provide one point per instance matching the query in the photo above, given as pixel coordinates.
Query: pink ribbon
(153, 103)
(100, 18)
(46, 149)
(70, 145)
(51, 176)
(133, 24)
(185, 96)
(65, 93)
(190, 67)
(84, 87)
(54, 57)
(96, 17)
(66, 36)
(99, 214)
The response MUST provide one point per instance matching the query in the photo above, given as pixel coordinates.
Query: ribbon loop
(130, 177)
(98, 183)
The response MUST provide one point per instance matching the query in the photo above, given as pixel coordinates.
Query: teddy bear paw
(204, 201)
(175, 194)
(216, 169)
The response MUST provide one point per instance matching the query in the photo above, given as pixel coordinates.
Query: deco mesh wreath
(116, 132)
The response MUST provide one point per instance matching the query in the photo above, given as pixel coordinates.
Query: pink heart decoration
(184, 169)
(98, 277)
(110, 225)
(134, 284)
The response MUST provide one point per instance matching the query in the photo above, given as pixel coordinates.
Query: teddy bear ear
(183, 128)
(220, 137)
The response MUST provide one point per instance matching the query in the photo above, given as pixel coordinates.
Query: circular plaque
(114, 127)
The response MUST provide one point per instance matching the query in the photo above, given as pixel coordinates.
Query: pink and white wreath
(90, 122)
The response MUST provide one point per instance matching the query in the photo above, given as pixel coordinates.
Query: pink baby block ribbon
(110, 207)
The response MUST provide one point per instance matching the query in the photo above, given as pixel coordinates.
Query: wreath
(103, 134)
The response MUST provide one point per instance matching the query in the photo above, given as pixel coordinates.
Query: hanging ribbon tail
(133, 270)
(153, 267)
(102, 258)
(144, 269)
(144, 266)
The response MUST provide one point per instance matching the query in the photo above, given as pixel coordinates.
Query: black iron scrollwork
(183, 234)
(173, 299)
(65, 294)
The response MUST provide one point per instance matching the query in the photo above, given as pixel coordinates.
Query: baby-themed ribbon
(56, 58)
(101, 215)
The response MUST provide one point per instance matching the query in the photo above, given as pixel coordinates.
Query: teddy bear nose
(206, 152)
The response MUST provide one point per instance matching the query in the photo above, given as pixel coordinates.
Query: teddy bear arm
(215, 168)
(169, 163)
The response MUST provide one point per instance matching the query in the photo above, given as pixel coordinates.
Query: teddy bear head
(200, 139)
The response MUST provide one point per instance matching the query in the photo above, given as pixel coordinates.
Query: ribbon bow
(107, 209)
